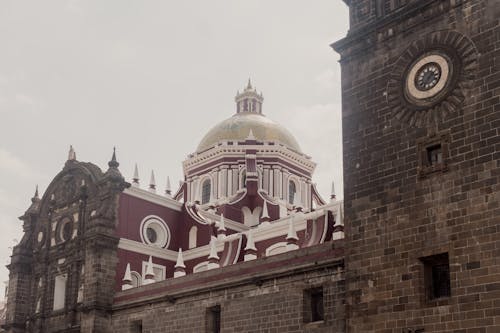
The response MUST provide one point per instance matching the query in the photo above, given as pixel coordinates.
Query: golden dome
(238, 127)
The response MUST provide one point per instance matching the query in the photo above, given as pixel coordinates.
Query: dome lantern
(249, 100)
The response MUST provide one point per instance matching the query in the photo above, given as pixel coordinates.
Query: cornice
(362, 34)
(166, 254)
(240, 150)
(154, 198)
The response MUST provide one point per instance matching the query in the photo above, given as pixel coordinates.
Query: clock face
(427, 77)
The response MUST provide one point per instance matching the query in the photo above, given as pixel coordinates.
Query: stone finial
(149, 277)
(213, 258)
(113, 164)
(221, 228)
(135, 179)
(249, 84)
(127, 279)
(152, 182)
(250, 249)
(35, 196)
(180, 268)
(168, 187)
(71, 154)
(292, 238)
(332, 194)
(250, 136)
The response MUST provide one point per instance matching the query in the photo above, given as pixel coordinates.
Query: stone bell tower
(421, 128)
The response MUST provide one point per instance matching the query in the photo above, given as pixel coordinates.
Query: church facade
(247, 244)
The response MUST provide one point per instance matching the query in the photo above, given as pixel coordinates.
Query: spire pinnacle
(249, 84)
(179, 268)
(113, 163)
(250, 135)
(149, 277)
(152, 182)
(35, 196)
(71, 154)
(135, 179)
(168, 188)
(127, 278)
(332, 194)
(180, 259)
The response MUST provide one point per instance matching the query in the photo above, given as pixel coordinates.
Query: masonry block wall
(267, 300)
(402, 208)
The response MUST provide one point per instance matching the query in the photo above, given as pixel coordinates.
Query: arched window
(205, 191)
(292, 190)
(136, 279)
(193, 234)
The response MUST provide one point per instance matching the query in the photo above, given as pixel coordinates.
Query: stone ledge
(250, 272)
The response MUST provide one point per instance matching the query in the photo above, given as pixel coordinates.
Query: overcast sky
(151, 78)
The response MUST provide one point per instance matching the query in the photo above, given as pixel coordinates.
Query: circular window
(154, 231)
(64, 230)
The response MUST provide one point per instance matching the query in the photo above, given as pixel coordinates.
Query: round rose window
(154, 231)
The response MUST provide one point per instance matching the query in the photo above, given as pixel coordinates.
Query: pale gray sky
(151, 78)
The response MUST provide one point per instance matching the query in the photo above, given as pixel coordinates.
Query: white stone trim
(154, 198)
(160, 226)
(276, 246)
(162, 269)
(166, 254)
(197, 268)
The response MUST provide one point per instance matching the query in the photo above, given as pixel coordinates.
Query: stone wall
(266, 295)
(397, 211)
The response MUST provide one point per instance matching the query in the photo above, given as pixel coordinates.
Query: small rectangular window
(314, 305)
(437, 276)
(136, 326)
(434, 155)
(213, 319)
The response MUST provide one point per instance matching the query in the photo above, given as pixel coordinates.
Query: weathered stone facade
(399, 209)
(266, 295)
(421, 119)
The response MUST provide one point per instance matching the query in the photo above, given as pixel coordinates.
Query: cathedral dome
(247, 122)
(239, 126)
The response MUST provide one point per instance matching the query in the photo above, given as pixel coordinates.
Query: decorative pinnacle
(152, 182)
(135, 179)
(250, 136)
(127, 277)
(71, 154)
(113, 163)
(168, 188)
(332, 194)
(249, 85)
(150, 273)
(180, 260)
